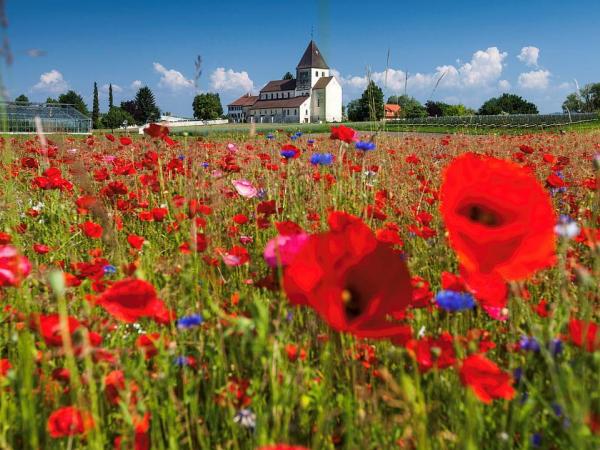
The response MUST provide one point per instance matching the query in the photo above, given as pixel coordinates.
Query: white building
(313, 96)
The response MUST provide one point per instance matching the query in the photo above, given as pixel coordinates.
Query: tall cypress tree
(95, 108)
(110, 97)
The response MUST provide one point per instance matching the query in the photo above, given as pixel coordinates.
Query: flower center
(351, 301)
(482, 215)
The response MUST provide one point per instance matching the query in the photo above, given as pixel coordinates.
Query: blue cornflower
(517, 374)
(293, 137)
(204, 164)
(454, 301)
(298, 133)
(109, 269)
(530, 344)
(181, 157)
(536, 439)
(262, 193)
(287, 154)
(557, 409)
(190, 321)
(365, 146)
(322, 159)
(555, 346)
(181, 361)
(270, 136)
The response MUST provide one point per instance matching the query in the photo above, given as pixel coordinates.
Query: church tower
(311, 67)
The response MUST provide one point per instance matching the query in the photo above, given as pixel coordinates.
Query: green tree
(110, 97)
(435, 109)
(573, 103)
(507, 104)
(73, 98)
(96, 108)
(131, 107)
(590, 97)
(51, 100)
(146, 109)
(372, 102)
(354, 111)
(22, 99)
(115, 118)
(207, 106)
(288, 76)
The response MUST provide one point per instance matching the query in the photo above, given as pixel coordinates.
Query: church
(313, 96)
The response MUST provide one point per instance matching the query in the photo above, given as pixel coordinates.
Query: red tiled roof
(392, 108)
(322, 82)
(245, 100)
(279, 85)
(292, 102)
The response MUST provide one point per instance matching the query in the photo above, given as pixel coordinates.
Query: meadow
(265, 291)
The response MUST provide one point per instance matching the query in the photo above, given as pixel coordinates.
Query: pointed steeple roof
(312, 58)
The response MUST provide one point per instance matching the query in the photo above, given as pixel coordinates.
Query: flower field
(279, 291)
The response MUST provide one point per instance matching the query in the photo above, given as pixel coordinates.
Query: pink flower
(13, 267)
(232, 147)
(245, 188)
(281, 250)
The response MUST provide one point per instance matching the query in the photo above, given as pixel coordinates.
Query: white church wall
(333, 101)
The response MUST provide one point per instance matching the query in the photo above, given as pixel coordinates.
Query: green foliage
(410, 107)
(288, 76)
(573, 103)
(73, 98)
(369, 106)
(586, 100)
(354, 111)
(441, 109)
(22, 99)
(507, 104)
(115, 118)
(96, 108)
(207, 106)
(131, 107)
(145, 106)
(51, 100)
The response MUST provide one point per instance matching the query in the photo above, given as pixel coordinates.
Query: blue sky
(479, 49)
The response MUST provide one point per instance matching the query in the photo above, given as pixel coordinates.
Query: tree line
(137, 111)
(370, 106)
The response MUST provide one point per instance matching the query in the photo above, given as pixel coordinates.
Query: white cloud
(529, 56)
(172, 79)
(504, 85)
(536, 79)
(485, 67)
(115, 87)
(51, 82)
(229, 80)
(136, 84)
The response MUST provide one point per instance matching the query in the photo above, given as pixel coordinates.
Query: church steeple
(312, 58)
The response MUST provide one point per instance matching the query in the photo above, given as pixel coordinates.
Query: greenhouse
(54, 118)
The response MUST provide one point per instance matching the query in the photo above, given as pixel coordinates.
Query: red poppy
(343, 133)
(156, 131)
(114, 383)
(92, 230)
(130, 299)
(69, 421)
(499, 218)
(585, 334)
(110, 137)
(5, 366)
(433, 353)
(124, 140)
(351, 279)
(282, 447)
(135, 241)
(486, 379)
(50, 328)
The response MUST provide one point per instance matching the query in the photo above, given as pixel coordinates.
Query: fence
(54, 117)
(503, 121)
(185, 123)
